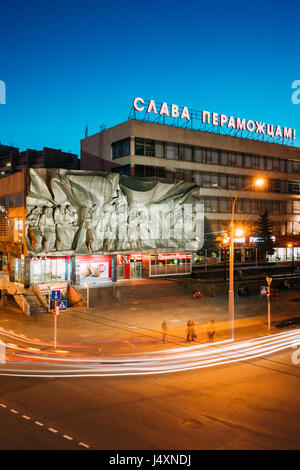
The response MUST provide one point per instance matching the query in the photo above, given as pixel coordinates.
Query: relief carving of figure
(91, 223)
(33, 232)
(47, 229)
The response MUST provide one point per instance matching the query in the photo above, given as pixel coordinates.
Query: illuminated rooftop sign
(211, 122)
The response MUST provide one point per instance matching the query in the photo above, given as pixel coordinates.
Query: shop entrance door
(121, 271)
(135, 270)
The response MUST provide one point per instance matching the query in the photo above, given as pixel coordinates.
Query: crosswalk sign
(263, 290)
(62, 304)
(55, 294)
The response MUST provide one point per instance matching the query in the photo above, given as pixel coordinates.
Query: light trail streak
(160, 362)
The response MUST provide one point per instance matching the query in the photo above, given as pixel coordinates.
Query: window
(276, 186)
(149, 170)
(231, 159)
(282, 165)
(180, 152)
(198, 178)
(214, 178)
(223, 181)
(139, 146)
(159, 149)
(149, 148)
(224, 158)
(121, 148)
(215, 157)
(247, 206)
(247, 161)
(261, 162)
(223, 205)
(187, 153)
(293, 187)
(206, 180)
(231, 182)
(296, 167)
(198, 155)
(276, 165)
(207, 156)
(269, 163)
(296, 209)
(122, 170)
(171, 151)
(239, 160)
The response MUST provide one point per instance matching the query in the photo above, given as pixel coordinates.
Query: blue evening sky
(71, 63)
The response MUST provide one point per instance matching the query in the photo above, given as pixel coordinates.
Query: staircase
(35, 305)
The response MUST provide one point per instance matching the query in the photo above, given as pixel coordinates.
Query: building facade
(61, 226)
(148, 149)
(11, 160)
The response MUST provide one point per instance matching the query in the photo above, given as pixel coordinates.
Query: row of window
(278, 228)
(11, 229)
(206, 179)
(251, 206)
(13, 200)
(153, 148)
(237, 182)
(121, 148)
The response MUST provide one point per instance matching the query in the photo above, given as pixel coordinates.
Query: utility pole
(269, 280)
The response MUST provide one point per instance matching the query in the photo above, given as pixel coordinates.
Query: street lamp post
(259, 182)
(87, 295)
(290, 245)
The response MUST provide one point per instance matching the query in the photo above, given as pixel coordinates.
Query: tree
(209, 240)
(264, 231)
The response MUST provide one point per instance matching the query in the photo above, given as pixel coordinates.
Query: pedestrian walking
(193, 331)
(189, 331)
(164, 328)
(211, 330)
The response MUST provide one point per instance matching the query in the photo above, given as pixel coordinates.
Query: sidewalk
(135, 326)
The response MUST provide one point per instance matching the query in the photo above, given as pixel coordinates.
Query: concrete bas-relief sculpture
(80, 212)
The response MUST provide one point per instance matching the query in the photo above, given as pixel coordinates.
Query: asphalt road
(252, 405)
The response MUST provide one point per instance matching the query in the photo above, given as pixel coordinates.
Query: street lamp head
(259, 182)
(290, 245)
(239, 232)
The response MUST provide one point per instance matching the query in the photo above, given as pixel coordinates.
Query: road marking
(38, 423)
(52, 430)
(83, 444)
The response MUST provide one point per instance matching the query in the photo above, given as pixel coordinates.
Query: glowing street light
(239, 232)
(290, 245)
(259, 183)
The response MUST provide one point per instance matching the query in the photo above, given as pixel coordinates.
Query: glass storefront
(50, 270)
(285, 254)
(170, 264)
(136, 269)
(19, 270)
